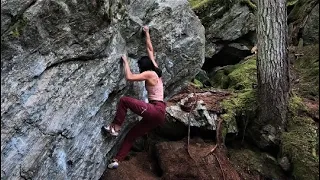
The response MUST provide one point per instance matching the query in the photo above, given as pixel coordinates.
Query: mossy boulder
(240, 109)
(300, 142)
(256, 162)
(237, 77)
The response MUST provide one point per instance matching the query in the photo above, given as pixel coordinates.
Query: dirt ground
(171, 161)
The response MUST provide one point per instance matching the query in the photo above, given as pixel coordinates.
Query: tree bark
(273, 72)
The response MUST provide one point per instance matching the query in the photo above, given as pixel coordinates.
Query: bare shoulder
(151, 74)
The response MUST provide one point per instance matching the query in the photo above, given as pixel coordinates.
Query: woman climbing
(153, 113)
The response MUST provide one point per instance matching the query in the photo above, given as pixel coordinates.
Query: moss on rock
(221, 79)
(237, 77)
(17, 28)
(238, 104)
(255, 161)
(291, 2)
(201, 4)
(300, 142)
(244, 75)
(197, 83)
(195, 4)
(307, 67)
(250, 4)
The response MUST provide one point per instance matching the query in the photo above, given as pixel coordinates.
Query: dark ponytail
(145, 64)
(158, 71)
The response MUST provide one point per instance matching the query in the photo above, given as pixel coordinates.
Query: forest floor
(172, 162)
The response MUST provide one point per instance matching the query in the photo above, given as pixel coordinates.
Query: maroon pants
(153, 115)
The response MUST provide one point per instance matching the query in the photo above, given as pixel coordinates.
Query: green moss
(250, 4)
(244, 75)
(296, 105)
(255, 161)
(221, 79)
(291, 2)
(242, 103)
(197, 83)
(307, 67)
(300, 145)
(300, 142)
(237, 77)
(238, 104)
(17, 28)
(200, 4)
(195, 4)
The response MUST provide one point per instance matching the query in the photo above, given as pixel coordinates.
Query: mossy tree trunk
(273, 72)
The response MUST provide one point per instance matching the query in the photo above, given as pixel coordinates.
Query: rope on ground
(188, 107)
(218, 143)
(218, 138)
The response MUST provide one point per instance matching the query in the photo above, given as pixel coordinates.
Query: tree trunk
(273, 72)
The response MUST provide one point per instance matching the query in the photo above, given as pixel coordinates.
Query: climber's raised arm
(149, 45)
(134, 77)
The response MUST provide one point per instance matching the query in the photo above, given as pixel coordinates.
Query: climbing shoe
(113, 165)
(110, 130)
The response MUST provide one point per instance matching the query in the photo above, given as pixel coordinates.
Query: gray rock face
(311, 29)
(230, 26)
(235, 23)
(61, 77)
